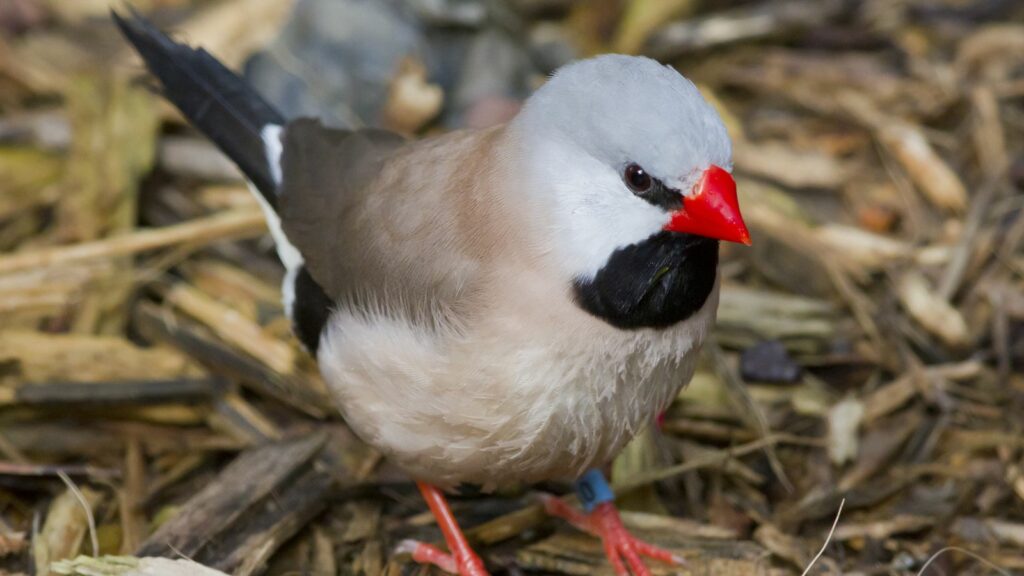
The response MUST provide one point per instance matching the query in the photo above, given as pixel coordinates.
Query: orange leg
(604, 522)
(461, 560)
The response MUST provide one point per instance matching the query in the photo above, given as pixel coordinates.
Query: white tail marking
(289, 255)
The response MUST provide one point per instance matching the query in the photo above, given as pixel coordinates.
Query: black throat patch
(652, 284)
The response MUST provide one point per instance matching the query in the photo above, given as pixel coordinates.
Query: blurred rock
(472, 13)
(769, 362)
(412, 101)
(496, 67)
(337, 59)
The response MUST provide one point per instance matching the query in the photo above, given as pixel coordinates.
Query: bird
(494, 306)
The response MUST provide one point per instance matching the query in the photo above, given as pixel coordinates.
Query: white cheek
(602, 224)
(593, 213)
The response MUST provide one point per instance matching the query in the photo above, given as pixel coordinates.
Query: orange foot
(462, 560)
(605, 523)
(461, 564)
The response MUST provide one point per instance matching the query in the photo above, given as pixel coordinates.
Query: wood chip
(932, 312)
(65, 528)
(249, 478)
(232, 327)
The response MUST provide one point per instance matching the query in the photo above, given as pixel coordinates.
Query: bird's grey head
(593, 135)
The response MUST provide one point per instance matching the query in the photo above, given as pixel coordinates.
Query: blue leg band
(593, 489)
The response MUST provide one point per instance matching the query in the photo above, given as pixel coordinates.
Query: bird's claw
(625, 552)
(423, 553)
(623, 549)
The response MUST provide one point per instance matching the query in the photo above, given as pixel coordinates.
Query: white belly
(522, 400)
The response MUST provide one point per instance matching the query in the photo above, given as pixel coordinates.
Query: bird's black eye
(637, 178)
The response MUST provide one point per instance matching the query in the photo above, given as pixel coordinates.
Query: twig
(750, 413)
(27, 469)
(974, 555)
(741, 24)
(113, 392)
(828, 539)
(711, 460)
(954, 273)
(88, 511)
(232, 327)
(232, 224)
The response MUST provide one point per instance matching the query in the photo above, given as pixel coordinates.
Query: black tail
(214, 99)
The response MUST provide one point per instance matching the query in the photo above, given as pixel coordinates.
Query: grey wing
(376, 223)
(326, 175)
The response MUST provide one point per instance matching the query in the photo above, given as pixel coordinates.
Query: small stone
(496, 66)
(412, 101)
(769, 361)
(335, 60)
(468, 13)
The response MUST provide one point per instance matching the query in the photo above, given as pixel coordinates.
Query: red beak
(712, 211)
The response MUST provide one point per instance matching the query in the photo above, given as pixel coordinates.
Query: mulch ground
(867, 357)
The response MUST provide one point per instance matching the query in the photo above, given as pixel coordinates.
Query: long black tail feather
(214, 99)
